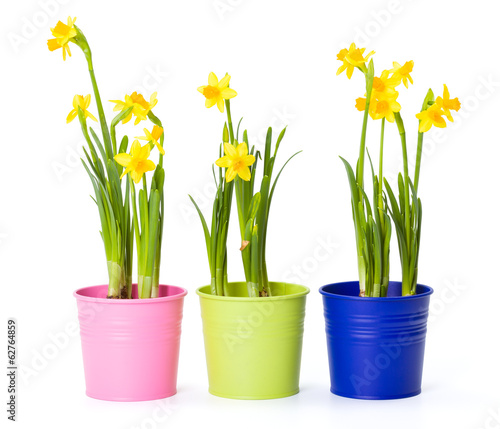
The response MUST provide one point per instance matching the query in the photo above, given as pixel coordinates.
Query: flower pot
(130, 346)
(253, 346)
(375, 345)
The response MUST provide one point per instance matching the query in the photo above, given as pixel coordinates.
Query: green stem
(362, 146)
(419, 160)
(402, 135)
(229, 121)
(380, 175)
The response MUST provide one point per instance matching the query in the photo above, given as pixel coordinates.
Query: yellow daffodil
(63, 34)
(83, 103)
(402, 72)
(236, 161)
(361, 103)
(429, 117)
(137, 163)
(380, 108)
(153, 137)
(384, 108)
(383, 86)
(217, 91)
(446, 103)
(352, 57)
(141, 106)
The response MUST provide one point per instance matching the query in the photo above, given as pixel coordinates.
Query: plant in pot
(253, 329)
(376, 328)
(121, 322)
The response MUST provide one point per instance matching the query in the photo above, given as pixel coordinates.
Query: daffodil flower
(217, 91)
(380, 108)
(447, 104)
(384, 87)
(402, 72)
(153, 137)
(137, 163)
(429, 117)
(63, 34)
(236, 161)
(140, 109)
(352, 57)
(83, 103)
(384, 108)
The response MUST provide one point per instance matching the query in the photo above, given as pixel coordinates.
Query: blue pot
(375, 345)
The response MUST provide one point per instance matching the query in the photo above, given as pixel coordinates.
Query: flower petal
(245, 174)
(71, 116)
(242, 150)
(220, 104)
(90, 115)
(123, 159)
(209, 102)
(125, 172)
(145, 152)
(212, 79)
(248, 160)
(136, 148)
(52, 44)
(230, 174)
(223, 162)
(160, 148)
(224, 82)
(148, 165)
(86, 101)
(136, 176)
(228, 93)
(230, 150)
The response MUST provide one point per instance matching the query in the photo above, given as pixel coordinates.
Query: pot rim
(182, 292)
(428, 291)
(304, 292)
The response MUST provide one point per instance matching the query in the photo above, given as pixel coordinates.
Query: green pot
(253, 346)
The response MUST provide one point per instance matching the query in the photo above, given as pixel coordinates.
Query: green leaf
(254, 206)
(205, 228)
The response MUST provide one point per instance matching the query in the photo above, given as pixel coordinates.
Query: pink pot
(130, 346)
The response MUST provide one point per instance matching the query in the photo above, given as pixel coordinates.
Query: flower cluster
(383, 99)
(236, 160)
(137, 162)
(107, 163)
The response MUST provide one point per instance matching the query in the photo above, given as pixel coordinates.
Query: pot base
(254, 398)
(376, 398)
(130, 399)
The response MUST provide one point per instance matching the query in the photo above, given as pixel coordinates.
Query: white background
(282, 59)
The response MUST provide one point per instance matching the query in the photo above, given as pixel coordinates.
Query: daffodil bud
(225, 134)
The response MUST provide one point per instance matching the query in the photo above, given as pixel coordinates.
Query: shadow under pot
(253, 346)
(375, 345)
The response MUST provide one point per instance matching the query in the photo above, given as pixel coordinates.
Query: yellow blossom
(402, 72)
(384, 108)
(447, 104)
(140, 109)
(83, 103)
(153, 137)
(137, 163)
(429, 117)
(352, 57)
(236, 161)
(361, 103)
(217, 91)
(63, 34)
(383, 86)
(380, 108)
